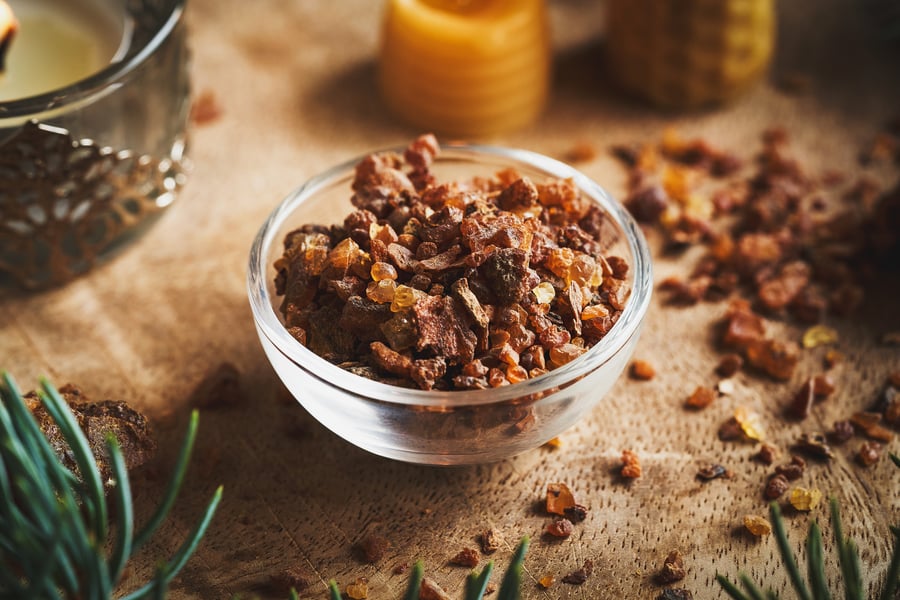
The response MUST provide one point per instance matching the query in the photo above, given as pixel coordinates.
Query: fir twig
(892, 579)
(815, 563)
(731, 589)
(848, 557)
(752, 589)
(415, 581)
(847, 554)
(510, 587)
(184, 457)
(54, 528)
(121, 491)
(333, 590)
(787, 556)
(476, 583)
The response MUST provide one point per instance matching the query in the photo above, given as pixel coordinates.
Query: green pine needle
(476, 583)
(895, 458)
(815, 563)
(511, 586)
(121, 492)
(54, 527)
(787, 555)
(415, 581)
(731, 589)
(181, 465)
(752, 589)
(892, 579)
(848, 557)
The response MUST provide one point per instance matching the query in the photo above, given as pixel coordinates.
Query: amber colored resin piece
(757, 525)
(805, 499)
(559, 498)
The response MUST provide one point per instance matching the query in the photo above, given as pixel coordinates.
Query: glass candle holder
(86, 167)
(469, 68)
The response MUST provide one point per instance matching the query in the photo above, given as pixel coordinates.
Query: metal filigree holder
(66, 202)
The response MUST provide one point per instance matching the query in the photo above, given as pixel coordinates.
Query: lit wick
(8, 28)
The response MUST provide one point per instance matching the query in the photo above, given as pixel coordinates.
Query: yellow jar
(468, 68)
(689, 53)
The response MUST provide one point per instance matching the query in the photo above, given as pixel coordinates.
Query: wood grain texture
(295, 81)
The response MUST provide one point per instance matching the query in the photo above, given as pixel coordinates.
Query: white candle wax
(60, 42)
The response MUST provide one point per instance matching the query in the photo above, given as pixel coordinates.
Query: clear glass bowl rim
(628, 325)
(85, 89)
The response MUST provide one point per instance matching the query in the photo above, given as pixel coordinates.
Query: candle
(8, 28)
(93, 113)
(59, 42)
(465, 67)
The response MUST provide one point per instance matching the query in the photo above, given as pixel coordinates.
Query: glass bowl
(89, 166)
(445, 427)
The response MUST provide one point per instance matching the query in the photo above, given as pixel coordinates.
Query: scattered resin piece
(581, 575)
(757, 525)
(869, 453)
(642, 370)
(561, 528)
(842, 431)
(675, 594)
(554, 443)
(559, 498)
(793, 470)
(819, 335)
(673, 568)
(631, 465)
(729, 365)
(359, 589)
(815, 445)
(710, 472)
(490, 541)
(467, 557)
(776, 486)
(870, 424)
(805, 499)
(701, 398)
(767, 454)
(577, 513)
(750, 423)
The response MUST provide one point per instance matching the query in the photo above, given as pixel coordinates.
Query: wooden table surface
(295, 83)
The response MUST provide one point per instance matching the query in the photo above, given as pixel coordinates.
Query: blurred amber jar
(689, 53)
(468, 68)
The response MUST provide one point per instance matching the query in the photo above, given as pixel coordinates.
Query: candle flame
(8, 28)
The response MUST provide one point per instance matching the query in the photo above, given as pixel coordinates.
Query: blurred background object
(689, 53)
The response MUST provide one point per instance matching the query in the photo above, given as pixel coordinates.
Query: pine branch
(54, 524)
(476, 583)
(848, 557)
